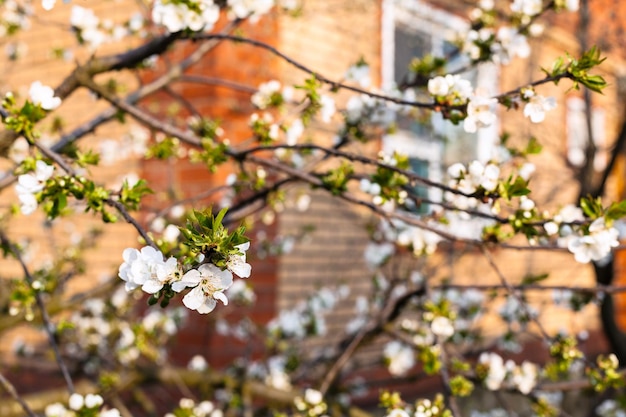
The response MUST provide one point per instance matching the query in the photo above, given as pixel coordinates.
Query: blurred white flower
(400, 357)
(44, 96)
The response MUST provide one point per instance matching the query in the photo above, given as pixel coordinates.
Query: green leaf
(533, 279)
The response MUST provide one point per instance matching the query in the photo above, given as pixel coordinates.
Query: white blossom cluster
(610, 408)
(79, 405)
(399, 357)
(537, 105)
(454, 90)
(29, 184)
(594, 244)
(475, 177)
(273, 372)
(147, 268)
(93, 31)
(359, 73)
(307, 317)
(312, 403)
(188, 407)
(194, 15)
(14, 15)
(98, 331)
(501, 374)
(451, 89)
(271, 92)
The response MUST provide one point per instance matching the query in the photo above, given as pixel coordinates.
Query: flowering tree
(193, 257)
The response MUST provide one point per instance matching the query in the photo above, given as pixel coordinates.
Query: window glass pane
(421, 168)
(408, 45)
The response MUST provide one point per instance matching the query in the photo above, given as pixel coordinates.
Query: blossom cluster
(595, 245)
(399, 357)
(476, 177)
(147, 268)
(31, 183)
(80, 405)
(507, 374)
(194, 15)
(307, 317)
(312, 403)
(188, 407)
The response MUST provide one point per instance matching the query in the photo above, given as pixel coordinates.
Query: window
(578, 134)
(414, 29)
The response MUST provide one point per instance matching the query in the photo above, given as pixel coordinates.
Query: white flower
(438, 86)
(527, 7)
(177, 16)
(596, 245)
(526, 170)
(55, 410)
(33, 182)
(197, 363)
(568, 214)
(171, 233)
(537, 107)
(82, 18)
(359, 73)
(551, 228)
(294, 132)
(526, 204)
(48, 4)
(400, 357)
(237, 263)
(572, 5)
(398, 412)
(44, 96)
(209, 284)
(263, 97)
(510, 43)
(328, 108)
(146, 269)
(76, 402)
(497, 370)
(442, 327)
(113, 412)
(525, 377)
(456, 170)
(93, 400)
(250, 8)
(312, 396)
(480, 113)
(376, 253)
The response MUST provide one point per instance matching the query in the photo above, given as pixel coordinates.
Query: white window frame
(578, 137)
(426, 18)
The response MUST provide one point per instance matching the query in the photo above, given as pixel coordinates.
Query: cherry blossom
(209, 284)
(442, 327)
(527, 7)
(237, 263)
(147, 269)
(44, 96)
(31, 183)
(596, 245)
(496, 370)
(177, 16)
(537, 107)
(480, 113)
(400, 357)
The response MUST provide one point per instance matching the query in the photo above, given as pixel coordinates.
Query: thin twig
(8, 387)
(47, 324)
